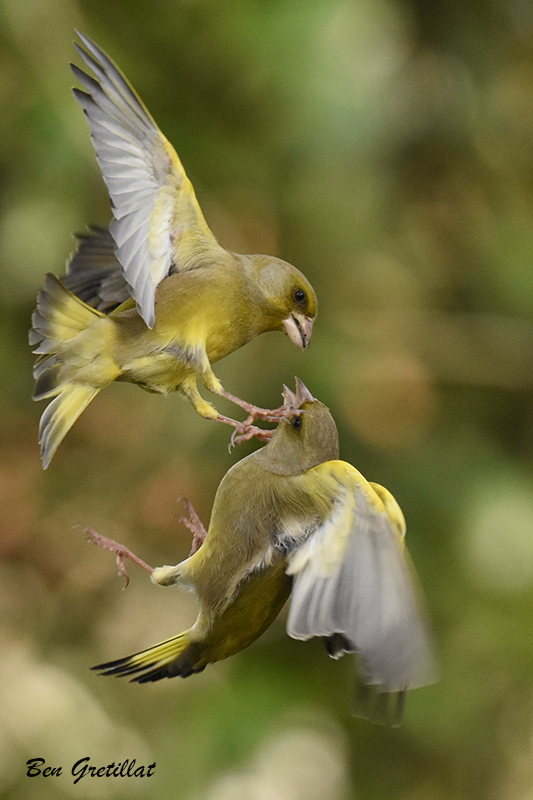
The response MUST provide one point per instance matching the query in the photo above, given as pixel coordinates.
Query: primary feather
(158, 221)
(352, 580)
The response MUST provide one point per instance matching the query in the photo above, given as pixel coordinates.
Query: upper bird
(183, 301)
(293, 514)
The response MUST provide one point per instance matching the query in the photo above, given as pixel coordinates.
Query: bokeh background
(385, 147)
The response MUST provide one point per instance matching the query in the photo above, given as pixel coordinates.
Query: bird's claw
(245, 431)
(255, 412)
(195, 525)
(121, 552)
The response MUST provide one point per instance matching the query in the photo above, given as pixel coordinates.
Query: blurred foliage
(386, 148)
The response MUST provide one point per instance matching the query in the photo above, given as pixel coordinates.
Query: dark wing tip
(378, 706)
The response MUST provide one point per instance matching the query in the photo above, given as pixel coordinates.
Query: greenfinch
(292, 516)
(178, 300)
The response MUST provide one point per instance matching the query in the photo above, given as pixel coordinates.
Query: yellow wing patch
(339, 481)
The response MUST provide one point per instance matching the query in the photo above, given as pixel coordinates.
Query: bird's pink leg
(121, 552)
(195, 525)
(192, 522)
(255, 412)
(245, 430)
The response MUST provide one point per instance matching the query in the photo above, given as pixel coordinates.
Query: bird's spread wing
(354, 584)
(94, 273)
(158, 222)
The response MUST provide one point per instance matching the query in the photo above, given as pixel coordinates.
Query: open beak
(299, 329)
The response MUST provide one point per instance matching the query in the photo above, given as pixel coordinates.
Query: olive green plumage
(293, 513)
(158, 301)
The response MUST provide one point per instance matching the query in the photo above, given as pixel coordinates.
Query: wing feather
(93, 271)
(153, 201)
(353, 579)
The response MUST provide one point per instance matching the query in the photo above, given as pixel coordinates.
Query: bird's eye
(299, 295)
(297, 423)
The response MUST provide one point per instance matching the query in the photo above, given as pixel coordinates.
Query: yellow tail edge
(60, 415)
(59, 317)
(160, 661)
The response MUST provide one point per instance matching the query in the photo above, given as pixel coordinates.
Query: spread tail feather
(176, 656)
(59, 317)
(60, 415)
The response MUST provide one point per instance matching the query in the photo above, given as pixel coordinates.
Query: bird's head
(304, 440)
(285, 297)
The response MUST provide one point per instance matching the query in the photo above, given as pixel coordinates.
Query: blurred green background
(386, 149)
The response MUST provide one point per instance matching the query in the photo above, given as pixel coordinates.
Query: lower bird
(293, 517)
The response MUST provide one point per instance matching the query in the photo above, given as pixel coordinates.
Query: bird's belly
(158, 372)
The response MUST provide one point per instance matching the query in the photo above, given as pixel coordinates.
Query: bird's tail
(177, 656)
(59, 317)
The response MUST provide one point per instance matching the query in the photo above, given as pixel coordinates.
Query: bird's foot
(121, 552)
(195, 525)
(247, 430)
(244, 431)
(255, 412)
